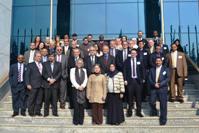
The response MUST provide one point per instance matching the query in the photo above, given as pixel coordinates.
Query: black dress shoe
(171, 100)
(32, 115)
(181, 100)
(38, 114)
(15, 114)
(154, 114)
(45, 115)
(23, 113)
(162, 123)
(56, 115)
(129, 113)
(139, 115)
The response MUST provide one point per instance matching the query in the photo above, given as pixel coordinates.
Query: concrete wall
(5, 34)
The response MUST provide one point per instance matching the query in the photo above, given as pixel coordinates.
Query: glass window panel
(125, 19)
(88, 19)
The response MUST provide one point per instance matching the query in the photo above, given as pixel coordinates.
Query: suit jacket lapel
(37, 67)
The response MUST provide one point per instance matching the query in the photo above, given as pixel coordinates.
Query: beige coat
(181, 64)
(96, 88)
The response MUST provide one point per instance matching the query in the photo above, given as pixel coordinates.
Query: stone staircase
(182, 118)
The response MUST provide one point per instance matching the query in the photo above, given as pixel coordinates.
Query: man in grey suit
(29, 55)
(63, 59)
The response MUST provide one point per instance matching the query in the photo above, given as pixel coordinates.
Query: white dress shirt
(135, 67)
(21, 72)
(40, 67)
(31, 58)
(66, 49)
(125, 54)
(174, 58)
(73, 79)
(59, 58)
(158, 69)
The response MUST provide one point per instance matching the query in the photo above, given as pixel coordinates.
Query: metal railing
(20, 42)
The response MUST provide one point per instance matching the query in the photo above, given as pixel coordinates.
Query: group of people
(98, 75)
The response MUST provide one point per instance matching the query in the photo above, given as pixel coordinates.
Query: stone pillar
(5, 35)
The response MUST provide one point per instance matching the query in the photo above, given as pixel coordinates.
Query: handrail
(192, 63)
(3, 80)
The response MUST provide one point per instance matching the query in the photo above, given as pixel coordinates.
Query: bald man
(16, 79)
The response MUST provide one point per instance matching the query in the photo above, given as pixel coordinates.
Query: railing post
(197, 50)
(31, 35)
(189, 43)
(171, 31)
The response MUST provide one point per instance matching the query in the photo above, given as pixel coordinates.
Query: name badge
(165, 48)
(145, 53)
(164, 72)
(179, 57)
(162, 58)
(138, 63)
(129, 55)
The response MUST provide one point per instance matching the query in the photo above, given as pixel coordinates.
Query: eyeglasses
(59, 49)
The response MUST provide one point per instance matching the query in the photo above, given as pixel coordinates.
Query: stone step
(146, 112)
(19, 128)
(175, 105)
(135, 121)
(7, 106)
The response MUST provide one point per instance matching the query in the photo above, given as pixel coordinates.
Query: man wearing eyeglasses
(63, 83)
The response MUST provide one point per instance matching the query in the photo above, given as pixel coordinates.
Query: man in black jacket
(106, 59)
(52, 75)
(16, 79)
(90, 60)
(34, 85)
(134, 77)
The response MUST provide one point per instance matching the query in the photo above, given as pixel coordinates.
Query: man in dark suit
(91, 60)
(44, 53)
(140, 38)
(52, 75)
(66, 48)
(134, 77)
(113, 51)
(164, 48)
(121, 56)
(34, 85)
(143, 56)
(156, 37)
(16, 79)
(106, 59)
(158, 80)
(63, 59)
(157, 53)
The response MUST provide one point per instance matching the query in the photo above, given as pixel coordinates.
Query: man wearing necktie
(113, 50)
(34, 85)
(157, 53)
(63, 59)
(16, 79)
(52, 75)
(121, 56)
(106, 59)
(134, 77)
(158, 81)
(44, 53)
(90, 60)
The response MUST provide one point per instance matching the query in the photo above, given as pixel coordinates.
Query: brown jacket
(181, 64)
(96, 88)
